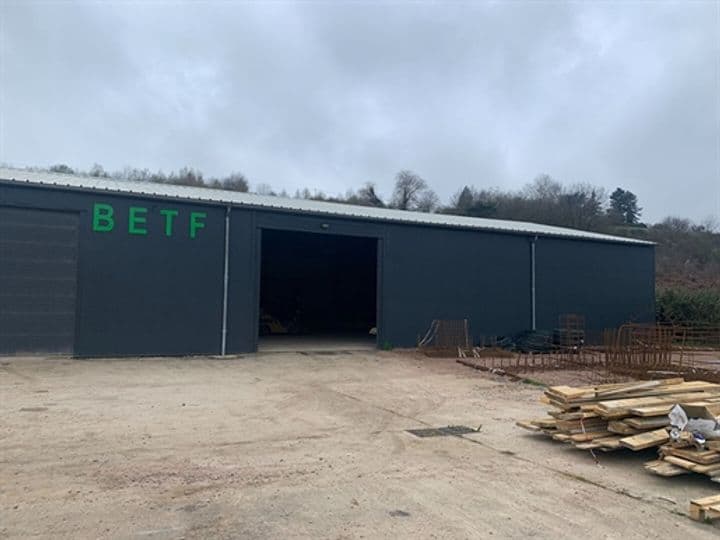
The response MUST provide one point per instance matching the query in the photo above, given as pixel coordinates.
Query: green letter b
(103, 220)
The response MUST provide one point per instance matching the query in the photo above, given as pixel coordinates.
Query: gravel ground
(283, 445)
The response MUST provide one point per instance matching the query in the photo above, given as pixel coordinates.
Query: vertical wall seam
(379, 295)
(532, 284)
(81, 232)
(226, 269)
(257, 239)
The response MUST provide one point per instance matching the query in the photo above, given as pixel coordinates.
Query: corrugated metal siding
(139, 294)
(38, 280)
(608, 284)
(217, 196)
(163, 295)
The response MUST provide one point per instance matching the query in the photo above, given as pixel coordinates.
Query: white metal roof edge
(224, 197)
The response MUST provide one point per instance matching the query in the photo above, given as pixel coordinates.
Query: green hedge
(701, 307)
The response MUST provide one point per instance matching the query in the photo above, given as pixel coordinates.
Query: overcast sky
(328, 95)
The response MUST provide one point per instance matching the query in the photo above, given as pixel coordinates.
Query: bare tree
(711, 224)
(98, 171)
(367, 196)
(427, 201)
(408, 189)
(235, 182)
(139, 175)
(61, 168)
(543, 188)
(581, 206)
(477, 203)
(187, 176)
(264, 189)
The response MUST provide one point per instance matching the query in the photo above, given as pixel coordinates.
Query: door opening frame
(379, 250)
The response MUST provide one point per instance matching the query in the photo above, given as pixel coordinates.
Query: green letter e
(103, 220)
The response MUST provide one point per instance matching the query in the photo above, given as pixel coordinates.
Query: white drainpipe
(532, 282)
(226, 268)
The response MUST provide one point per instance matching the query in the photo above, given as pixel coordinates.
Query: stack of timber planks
(705, 509)
(685, 455)
(611, 416)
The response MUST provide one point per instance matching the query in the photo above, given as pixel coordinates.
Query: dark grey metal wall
(146, 294)
(244, 283)
(432, 273)
(38, 280)
(158, 294)
(609, 283)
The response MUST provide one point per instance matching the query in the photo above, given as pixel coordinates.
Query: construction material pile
(705, 509)
(693, 444)
(626, 415)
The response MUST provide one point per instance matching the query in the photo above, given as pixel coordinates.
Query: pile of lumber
(685, 455)
(705, 509)
(610, 416)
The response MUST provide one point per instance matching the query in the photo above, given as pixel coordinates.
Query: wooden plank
(621, 428)
(590, 407)
(625, 407)
(591, 445)
(638, 387)
(702, 457)
(705, 509)
(683, 388)
(653, 410)
(695, 467)
(560, 405)
(527, 424)
(696, 512)
(578, 426)
(578, 392)
(644, 401)
(544, 423)
(569, 393)
(664, 409)
(663, 468)
(707, 501)
(609, 443)
(712, 512)
(590, 435)
(573, 415)
(650, 422)
(645, 440)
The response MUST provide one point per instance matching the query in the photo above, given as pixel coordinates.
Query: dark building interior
(317, 284)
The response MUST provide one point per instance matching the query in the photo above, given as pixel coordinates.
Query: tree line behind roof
(545, 200)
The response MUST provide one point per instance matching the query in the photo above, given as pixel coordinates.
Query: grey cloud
(330, 95)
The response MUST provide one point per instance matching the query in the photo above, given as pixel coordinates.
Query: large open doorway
(317, 291)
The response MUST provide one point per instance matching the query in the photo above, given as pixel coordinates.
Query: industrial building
(102, 267)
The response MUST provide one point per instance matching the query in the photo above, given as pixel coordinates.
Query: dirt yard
(306, 445)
